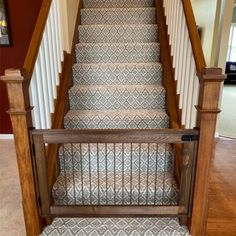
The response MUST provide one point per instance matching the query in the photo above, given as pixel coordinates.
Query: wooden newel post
(20, 112)
(209, 94)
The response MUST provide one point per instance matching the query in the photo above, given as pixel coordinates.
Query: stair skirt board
(115, 227)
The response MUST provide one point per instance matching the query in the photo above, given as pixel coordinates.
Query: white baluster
(44, 86)
(57, 46)
(190, 93)
(53, 38)
(35, 102)
(47, 72)
(185, 95)
(40, 94)
(58, 13)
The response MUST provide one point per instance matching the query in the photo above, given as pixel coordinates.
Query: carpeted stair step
(118, 3)
(116, 119)
(156, 188)
(155, 226)
(118, 33)
(121, 97)
(118, 16)
(117, 74)
(103, 157)
(117, 53)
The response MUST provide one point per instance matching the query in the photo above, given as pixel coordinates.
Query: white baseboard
(6, 137)
(217, 135)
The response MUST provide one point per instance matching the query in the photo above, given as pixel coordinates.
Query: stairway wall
(23, 15)
(69, 9)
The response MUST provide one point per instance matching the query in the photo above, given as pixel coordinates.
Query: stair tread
(64, 191)
(117, 73)
(116, 119)
(116, 226)
(118, 33)
(117, 52)
(93, 16)
(109, 97)
(118, 87)
(117, 4)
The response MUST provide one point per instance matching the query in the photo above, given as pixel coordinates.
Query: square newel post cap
(12, 76)
(213, 74)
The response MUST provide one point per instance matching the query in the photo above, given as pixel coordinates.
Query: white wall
(205, 14)
(69, 9)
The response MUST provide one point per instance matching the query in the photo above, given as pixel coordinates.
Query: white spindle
(44, 86)
(48, 83)
(183, 61)
(59, 22)
(34, 99)
(45, 78)
(57, 46)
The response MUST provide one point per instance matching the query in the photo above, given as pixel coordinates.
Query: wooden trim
(168, 71)
(61, 103)
(32, 53)
(169, 82)
(42, 177)
(57, 122)
(114, 136)
(115, 211)
(210, 84)
(21, 122)
(194, 36)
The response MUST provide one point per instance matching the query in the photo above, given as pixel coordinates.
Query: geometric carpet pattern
(116, 119)
(118, 33)
(117, 52)
(102, 97)
(118, 4)
(101, 16)
(117, 84)
(115, 227)
(117, 73)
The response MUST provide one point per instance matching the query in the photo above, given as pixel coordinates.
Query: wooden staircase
(192, 96)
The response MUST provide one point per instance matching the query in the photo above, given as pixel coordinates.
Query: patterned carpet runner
(117, 84)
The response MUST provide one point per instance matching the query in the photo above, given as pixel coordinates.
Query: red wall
(23, 15)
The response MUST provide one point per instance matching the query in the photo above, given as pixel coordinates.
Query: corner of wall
(68, 10)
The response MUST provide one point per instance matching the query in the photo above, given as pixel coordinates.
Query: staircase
(117, 84)
(129, 160)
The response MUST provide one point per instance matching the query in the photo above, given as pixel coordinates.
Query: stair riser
(155, 158)
(115, 192)
(116, 122)
(117, 53)
(110, 74)
(118, 16)
(118, 34)
(110, 99)
(117, 4)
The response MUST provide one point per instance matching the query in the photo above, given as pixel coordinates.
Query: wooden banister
(33, 50)
(20, 112)
(210, 85)
(194, 36)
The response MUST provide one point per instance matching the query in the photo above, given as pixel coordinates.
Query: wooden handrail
(194, 36)
(37, 36)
